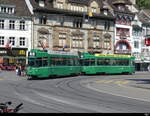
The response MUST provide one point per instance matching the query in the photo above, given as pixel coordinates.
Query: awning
(21, 57)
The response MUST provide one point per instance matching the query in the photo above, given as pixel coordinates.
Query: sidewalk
(11, 75)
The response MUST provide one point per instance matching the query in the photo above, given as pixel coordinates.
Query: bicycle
(4, 107)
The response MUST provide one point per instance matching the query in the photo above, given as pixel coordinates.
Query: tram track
(63, 95)
(30, 98)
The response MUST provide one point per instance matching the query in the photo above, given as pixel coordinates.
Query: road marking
(90, 87)
(125, 82)
(1, 78)
(129, 87)
(117, 82)
(112, 81)
(69, 101)
(101, 81)
(109, 81)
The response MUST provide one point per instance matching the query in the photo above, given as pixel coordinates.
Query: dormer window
(121, 7)
(41, 3)
(60, 5)
(93, 9)
(3, 9)
(10, 10)
(7, 9)
(105, 12)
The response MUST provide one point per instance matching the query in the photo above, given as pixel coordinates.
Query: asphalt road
(82, 94)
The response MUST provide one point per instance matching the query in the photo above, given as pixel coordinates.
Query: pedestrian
(16, 70)
(148, 68)
(19, 70)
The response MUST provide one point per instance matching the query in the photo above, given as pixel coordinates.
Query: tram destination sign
(62, 53)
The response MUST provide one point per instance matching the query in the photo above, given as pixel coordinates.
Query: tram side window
(76, 62)
(52, 61)
(39, 62)
(58, 61)
(113, 62)
(122, 62)
(126, 62)
(45, 61)
(107, 62)
(92, 62)
(100, 62)
(88, 62)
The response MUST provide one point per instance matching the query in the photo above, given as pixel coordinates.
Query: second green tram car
(107, 64)
(52, 63)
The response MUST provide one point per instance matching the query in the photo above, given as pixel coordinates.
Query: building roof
(48, 8)
(21, 9)
(144, 16)
(114, 3)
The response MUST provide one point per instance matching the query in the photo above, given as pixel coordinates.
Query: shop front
(9, 58)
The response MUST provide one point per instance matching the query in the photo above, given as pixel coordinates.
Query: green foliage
(143, 4)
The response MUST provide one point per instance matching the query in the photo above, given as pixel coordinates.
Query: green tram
(107, 64)
(45, 64)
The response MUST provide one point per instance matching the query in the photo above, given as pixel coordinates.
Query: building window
(22, 25)
(11, 24)
(62, 39)
(105, 12)
(43, 20)
(61, 20)
(136, 44)
(123, 32)
(12, 40)
(77, 42)
(77, 23)
(96, 42)
(121, 7)
(10, 10)
(22, 41)
(93, 9)
(107, 25)
(60, 5)
(1, 40)
(1, 24)
(71, 7)
(41, 3)
(107, 43)
(93, 23)
(3, 9)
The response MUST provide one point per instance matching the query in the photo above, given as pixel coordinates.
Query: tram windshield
(38, 62)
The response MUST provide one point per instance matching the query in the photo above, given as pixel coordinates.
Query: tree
(143, 4)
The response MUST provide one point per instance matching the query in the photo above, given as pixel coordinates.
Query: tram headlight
(31, 54)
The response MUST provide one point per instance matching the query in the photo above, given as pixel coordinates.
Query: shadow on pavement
(50, 78)
(140, 81)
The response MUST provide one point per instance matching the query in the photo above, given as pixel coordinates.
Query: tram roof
(40, 53)
(119, 56)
